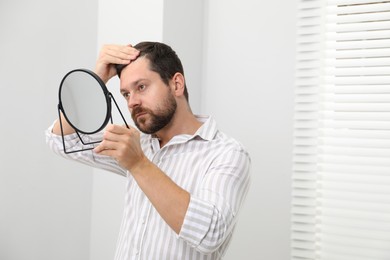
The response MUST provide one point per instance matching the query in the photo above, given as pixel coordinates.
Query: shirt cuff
(197, 221)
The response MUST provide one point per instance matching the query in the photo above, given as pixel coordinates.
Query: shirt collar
(208, 129)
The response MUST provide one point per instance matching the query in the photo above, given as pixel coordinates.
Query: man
(186, 180)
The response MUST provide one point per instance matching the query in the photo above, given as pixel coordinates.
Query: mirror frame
(108, 98)
(106, 93)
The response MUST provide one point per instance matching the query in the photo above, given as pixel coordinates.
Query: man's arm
(172, 205)
(65, 127)
(123, 145)
(105, 69)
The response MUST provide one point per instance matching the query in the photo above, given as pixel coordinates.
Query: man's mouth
(138, 112)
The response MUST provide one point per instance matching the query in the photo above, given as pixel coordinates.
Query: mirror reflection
(84, 101)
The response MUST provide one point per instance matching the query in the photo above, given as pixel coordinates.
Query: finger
(117, 129)
(122, 52)
(110, 153)
(105, 145)
(114, 58)
(112, 137)
(130, 51)
(98, 149)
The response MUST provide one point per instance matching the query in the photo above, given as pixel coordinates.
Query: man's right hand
(113, 54)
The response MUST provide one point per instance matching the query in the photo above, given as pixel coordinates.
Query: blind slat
(355, 133)
(354, 54)
(368, 61)
(355, 80)
(359, 71)
(359, 8)
(358, 27)
(359, 35)
(352, 2)
(358, 18)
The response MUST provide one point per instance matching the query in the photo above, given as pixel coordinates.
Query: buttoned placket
(145, 213)
(142, 225)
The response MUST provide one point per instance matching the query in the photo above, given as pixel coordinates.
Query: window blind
(341, 157)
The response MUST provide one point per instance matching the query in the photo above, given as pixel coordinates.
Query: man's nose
(133, 101)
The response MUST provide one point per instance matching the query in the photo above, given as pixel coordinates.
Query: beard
(159, 118)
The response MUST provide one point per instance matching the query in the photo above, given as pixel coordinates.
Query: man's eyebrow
(133, 84)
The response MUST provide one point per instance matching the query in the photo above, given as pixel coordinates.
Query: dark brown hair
(162, 60)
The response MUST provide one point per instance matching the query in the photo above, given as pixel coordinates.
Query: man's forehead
(134, 72)
(140, 64)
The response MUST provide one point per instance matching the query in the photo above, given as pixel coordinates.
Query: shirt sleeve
(73, 142)
(213, 208)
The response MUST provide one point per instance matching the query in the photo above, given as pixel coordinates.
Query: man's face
(150, 101)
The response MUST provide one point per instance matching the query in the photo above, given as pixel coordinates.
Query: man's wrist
(140, 166)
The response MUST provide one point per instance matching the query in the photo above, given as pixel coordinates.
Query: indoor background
(238, 58)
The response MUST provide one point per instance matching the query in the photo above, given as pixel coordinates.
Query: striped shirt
(211, 166)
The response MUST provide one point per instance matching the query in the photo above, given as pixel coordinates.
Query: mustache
(138, 110)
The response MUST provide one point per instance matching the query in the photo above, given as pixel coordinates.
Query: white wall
(45, 201)
(183, 29)
(248, 87)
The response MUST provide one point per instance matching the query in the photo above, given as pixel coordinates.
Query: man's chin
(143, 128)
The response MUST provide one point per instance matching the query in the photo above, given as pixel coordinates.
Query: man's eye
(141, 87)
(126, 95)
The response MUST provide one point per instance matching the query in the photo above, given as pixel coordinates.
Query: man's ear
(178, 84)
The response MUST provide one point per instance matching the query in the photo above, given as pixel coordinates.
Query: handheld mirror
(85, 103)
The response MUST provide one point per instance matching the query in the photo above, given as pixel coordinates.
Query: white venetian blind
(341, 174)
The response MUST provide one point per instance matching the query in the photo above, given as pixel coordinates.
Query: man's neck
(179, 125)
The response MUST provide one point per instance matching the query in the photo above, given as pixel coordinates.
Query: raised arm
(105, 68)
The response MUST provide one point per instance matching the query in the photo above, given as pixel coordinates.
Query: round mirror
(85, 101)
